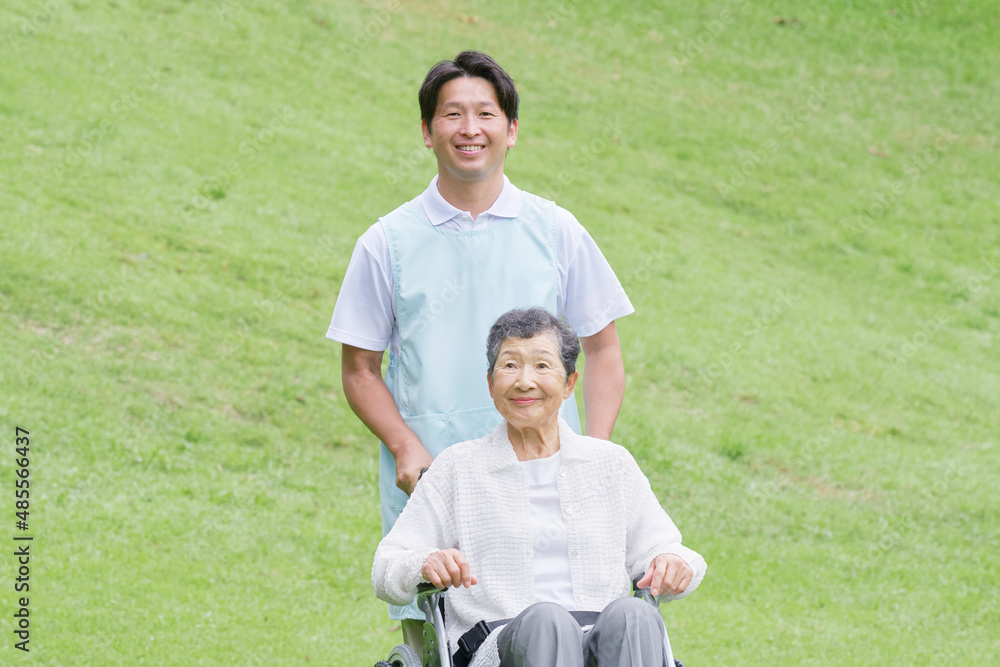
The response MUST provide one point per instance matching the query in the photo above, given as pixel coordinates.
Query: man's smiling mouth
(471, 149)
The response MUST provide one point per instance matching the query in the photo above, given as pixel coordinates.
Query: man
(428, 279)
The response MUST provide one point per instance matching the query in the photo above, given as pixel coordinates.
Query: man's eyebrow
(481, 103)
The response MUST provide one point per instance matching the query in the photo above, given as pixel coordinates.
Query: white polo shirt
(590, 296)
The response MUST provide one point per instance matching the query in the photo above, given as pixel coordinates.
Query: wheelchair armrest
(437, 648)
(427, 588)
(429, 598)
(645, 594)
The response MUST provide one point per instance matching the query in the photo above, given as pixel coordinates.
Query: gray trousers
(628, 633)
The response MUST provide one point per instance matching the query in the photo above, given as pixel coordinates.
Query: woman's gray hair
(528, 323)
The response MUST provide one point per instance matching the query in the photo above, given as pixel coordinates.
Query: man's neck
(472, 196)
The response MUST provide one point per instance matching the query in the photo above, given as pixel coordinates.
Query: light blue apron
(450, 286)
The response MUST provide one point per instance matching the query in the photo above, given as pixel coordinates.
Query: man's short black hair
(469, 64)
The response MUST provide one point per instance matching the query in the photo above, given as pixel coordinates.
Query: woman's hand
(448, 568)
(668, 573)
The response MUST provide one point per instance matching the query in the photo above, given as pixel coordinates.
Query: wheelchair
(437, 646)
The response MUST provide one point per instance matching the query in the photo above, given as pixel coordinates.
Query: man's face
(469, 132)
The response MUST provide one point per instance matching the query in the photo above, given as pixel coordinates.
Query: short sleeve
(364, 315)
(590, 295)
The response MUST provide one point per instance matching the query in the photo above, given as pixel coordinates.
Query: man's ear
(570, 383)
(512, 133)
(426, 129)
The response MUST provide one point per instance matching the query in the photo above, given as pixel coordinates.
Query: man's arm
(603, 381)
(361, 374)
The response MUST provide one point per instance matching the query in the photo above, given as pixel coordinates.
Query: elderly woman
(539, 526)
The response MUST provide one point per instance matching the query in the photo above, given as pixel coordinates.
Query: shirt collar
(438, 210)
(501, 451)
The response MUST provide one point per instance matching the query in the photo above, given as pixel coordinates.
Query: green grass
(802, 202)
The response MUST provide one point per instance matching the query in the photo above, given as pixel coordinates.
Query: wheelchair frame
(437, 646)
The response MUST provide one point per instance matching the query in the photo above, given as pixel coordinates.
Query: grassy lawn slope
(801, 200)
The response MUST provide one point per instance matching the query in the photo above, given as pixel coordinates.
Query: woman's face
(529, 383)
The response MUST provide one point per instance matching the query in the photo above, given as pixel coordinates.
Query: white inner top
(551, 562)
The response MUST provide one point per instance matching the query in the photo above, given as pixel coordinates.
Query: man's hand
(668, 573)
(361, 373)
(448, 568)
(409, 463)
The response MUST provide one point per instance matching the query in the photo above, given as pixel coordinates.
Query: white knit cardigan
(475, 498)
